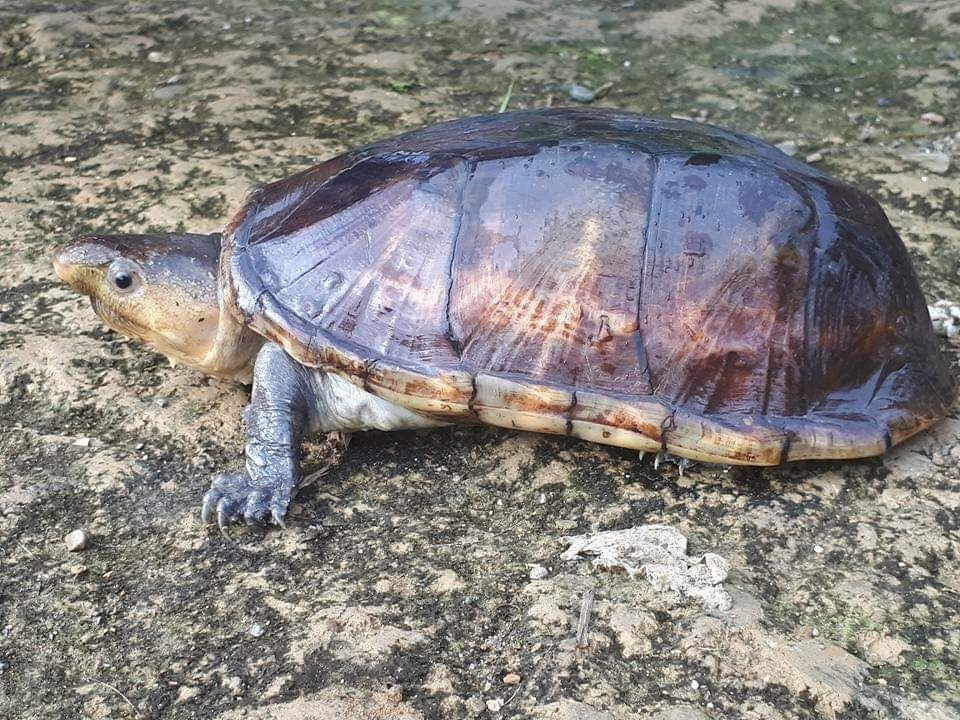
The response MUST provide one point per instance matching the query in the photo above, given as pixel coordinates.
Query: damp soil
(402, 587)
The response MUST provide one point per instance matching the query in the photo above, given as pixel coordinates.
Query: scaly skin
(278, 417)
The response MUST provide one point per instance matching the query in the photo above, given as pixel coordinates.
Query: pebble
(155, 56)
(814, 157)
(788, 147)
(580, 94)
(494, 704)
(833, 40)
(82, 442)
(538, 572)
(77, 540)
(511, 679)
(256, 630)
(884, 102)
(932, 118)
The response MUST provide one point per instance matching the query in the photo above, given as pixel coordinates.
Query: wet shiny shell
(651, 284)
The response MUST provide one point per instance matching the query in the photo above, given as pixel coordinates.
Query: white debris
(660, 552)
(945, 316)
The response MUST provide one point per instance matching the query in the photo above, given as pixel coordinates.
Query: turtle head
(164, 291)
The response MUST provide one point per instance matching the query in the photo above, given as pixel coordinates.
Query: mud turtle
(658, 285)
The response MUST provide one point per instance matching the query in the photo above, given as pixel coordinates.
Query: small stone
(256, 630)
(788, 147)
(818, 549)
(186, 693)
(833, 40)
(77, 540)
(932, 118)
(814, 157)
(77, 570)
(694, 684)
(885, 102)
(538, 572)
(580, 94)
(511, 678)
(161, 58)
(494, 704)
(82, 442)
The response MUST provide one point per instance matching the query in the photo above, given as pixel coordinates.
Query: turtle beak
(74, 261)
(65, 265)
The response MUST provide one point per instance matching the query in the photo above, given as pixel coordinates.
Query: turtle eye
(123, 276)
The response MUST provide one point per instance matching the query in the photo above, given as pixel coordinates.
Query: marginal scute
(712, 440)
(650, 284)
(442, 395)
(521, 406)
(829, 438)
(631, 422)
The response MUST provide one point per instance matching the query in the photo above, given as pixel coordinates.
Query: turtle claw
(661, 457)
(236, 497)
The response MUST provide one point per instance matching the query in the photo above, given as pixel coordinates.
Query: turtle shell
(651, 284)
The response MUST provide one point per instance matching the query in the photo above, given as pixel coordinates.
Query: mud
(403, 587)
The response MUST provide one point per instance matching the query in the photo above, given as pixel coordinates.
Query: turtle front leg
(278, 416)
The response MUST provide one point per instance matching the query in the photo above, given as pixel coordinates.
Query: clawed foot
(235, 496)
(663, 456)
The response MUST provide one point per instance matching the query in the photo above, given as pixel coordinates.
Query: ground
(403, 587)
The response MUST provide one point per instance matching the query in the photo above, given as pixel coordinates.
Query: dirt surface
(404, 587)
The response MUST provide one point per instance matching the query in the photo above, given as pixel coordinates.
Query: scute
(653, 284)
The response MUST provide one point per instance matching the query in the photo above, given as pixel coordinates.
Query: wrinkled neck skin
(234, 349)
(163, 290)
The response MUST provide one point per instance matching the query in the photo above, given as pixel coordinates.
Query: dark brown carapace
(653, 284)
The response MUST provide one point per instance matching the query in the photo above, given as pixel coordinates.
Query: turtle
(655, 284)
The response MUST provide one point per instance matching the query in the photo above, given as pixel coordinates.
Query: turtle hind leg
(278, 417)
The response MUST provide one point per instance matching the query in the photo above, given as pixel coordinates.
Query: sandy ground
(403, 587)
